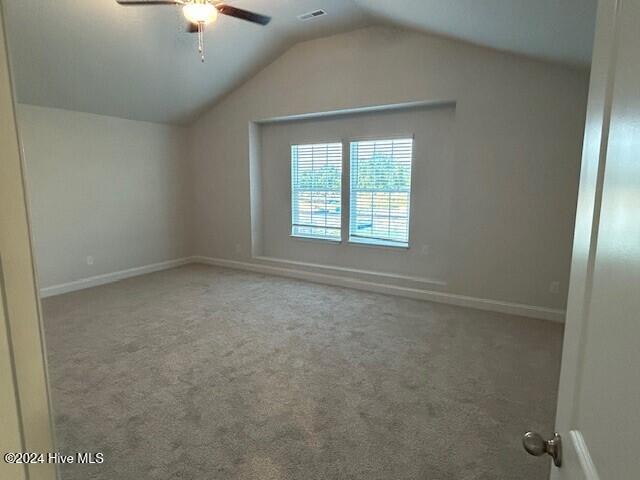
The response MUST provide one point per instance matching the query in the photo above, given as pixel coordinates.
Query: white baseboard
(416, 293)
(111, 277)
(325, 278)
(379, 277)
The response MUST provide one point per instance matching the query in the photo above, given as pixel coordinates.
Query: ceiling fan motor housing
(200, 11)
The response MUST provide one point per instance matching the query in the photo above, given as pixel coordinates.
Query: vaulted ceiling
(139, 62)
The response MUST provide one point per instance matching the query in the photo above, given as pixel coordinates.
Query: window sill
(316, 239)
(363, 242)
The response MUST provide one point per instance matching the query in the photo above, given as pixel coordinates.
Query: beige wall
(517, 141)
(432, 182)
(495, 202)
(113, 189)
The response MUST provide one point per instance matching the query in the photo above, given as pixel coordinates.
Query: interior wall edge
(359, 110)
(21, 104)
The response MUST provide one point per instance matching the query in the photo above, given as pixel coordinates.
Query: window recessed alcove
(423, 259)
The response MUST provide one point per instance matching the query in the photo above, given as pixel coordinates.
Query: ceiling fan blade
(136, 3)
(192, 27)
(243, 14)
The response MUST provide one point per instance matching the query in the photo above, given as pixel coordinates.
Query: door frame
(25, 386)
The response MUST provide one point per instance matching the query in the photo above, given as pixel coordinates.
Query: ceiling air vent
(308, 16)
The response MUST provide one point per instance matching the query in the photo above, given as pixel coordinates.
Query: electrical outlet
(425, 250)
(554, 287)
(238, 248)
(89, 260)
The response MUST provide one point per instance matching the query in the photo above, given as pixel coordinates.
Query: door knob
(536, 446)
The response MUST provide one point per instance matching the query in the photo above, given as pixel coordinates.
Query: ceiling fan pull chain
(201, 40)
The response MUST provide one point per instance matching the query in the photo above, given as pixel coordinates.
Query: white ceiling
(560, 30)
(96, 56)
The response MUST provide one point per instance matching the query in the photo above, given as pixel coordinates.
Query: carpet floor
(205, 373)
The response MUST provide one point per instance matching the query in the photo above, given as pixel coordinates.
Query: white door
(598, 414)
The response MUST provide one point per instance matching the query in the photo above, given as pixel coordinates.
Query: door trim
(21, 303)
(584, 456)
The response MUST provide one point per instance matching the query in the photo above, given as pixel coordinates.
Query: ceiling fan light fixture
(200, 12)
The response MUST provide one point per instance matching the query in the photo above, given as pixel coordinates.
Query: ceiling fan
(202, 12)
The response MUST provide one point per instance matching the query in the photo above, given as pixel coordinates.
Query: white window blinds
(316, 197)
(380, 192)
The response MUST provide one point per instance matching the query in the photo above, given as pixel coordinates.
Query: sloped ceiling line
(139, 63)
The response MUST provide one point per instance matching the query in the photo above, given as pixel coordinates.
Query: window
(380, 192)
(316, 197)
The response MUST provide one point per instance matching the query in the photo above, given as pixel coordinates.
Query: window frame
(387, 244)
(342, 178)
(345, 193)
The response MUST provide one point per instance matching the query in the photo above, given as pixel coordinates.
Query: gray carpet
(206, 373)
